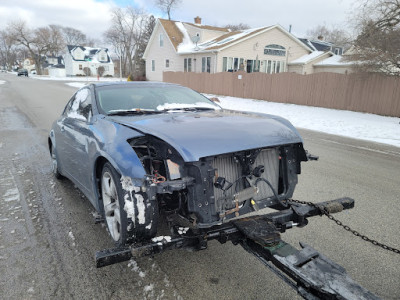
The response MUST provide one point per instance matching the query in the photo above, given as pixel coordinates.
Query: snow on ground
(350, 124)
(76, 84)
(76, 78)
(2, 82)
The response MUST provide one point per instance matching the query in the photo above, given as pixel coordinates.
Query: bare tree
(336, 36)
(237, 27)
(377, 46)
(56, 42)
(38, 42)
(73, 36)
(167, 5)
(8, 50)
(128, 31)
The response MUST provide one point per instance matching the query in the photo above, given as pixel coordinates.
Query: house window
(187, 65)
(153, 65)
(167, 63)
(206, 64)
(224, 64)
(232, 64)
(161, 40)
(274, 49)
(80, 67)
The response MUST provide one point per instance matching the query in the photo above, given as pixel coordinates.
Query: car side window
(80, 106)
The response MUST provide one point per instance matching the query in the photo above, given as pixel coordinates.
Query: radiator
(227, 167)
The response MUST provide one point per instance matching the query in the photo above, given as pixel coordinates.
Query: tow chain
(325, 212)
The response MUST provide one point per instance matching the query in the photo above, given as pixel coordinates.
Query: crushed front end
(218, 188)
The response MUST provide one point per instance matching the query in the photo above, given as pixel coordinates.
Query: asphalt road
(48, 237)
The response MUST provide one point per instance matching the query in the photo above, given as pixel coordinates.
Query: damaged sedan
(146, 152)
(138, 149)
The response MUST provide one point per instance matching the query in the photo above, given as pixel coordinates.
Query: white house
(194, 47)
(28, 64)
(79, 59)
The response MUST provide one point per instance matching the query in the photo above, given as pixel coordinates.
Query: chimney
(197, 20)
(320, 37)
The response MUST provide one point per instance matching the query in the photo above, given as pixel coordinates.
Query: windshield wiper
(133, 111)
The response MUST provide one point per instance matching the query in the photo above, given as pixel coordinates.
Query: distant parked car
(22, 72)
(33, 71)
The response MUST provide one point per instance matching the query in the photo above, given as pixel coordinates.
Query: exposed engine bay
(216, 189)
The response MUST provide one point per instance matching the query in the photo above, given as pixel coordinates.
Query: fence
(370, 93)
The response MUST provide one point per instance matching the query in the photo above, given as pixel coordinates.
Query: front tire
(141, 224)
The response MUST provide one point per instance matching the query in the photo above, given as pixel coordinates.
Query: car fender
(111, 143)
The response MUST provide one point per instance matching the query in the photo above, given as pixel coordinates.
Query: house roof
(89, 52)
(334, 60)
(305, 59)
(232, 37)
(179, 37)
(208, 27)
(176, 34)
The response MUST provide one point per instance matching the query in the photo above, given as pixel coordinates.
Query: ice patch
(71, 236)
(11, 195)
(148, 288)
(134, 267)
(31, 290)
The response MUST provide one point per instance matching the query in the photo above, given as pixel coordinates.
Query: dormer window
(102, 56)
(274, 49)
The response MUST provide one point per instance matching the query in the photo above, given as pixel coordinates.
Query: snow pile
(334, 61)
(350, 124)
(187, 44)
(76, 84)
(2, 82)
(75, 78)
(306, 58)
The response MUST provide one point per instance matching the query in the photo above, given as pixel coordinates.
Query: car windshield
(128, 98)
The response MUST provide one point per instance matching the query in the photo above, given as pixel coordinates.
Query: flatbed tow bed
(309, 272)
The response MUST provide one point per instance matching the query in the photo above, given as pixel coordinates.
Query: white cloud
(302, 15)
(89, 16)
(93, 16)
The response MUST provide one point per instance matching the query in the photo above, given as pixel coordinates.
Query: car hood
(201, 134)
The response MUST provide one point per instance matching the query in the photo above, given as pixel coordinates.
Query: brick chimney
(197, 20)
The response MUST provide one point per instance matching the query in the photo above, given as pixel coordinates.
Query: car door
(75, 137)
